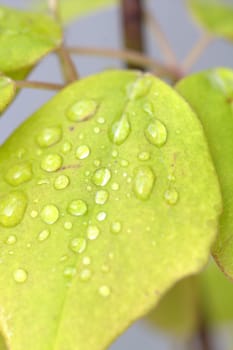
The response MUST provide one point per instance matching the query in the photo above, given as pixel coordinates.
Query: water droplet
(114, 153)
(171, 196)
(43, 182)
(101, 120)
(116, 227)
(156, 133)
(92, 232)
(124, 163)
(101, 216)
(49, 136)
(96, 130)
(82, 152)
(70, 271)
(120, 130)
(34, 214)
(171, 178)
(97, 162)
(81, 110)
(11, 240)
(43, 235)
(115, 186)
(139, 88)
(143, 182)
(101, 177)
(104, 291)
(86, 260)
(78, 245)
(61, 182)
(66, 147)
(68, 225)
(49, 214)
(12, 209)
(148, 108)
(51, 162)
(20, 153)
(144, 156)
(101, 197)
(85, 275)
(77, 208)
(18, 174)
(20, 275)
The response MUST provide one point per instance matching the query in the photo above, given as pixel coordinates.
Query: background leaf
(210, 94)
(214, 15)
(7, 92)
(99, 213)
(25, 38)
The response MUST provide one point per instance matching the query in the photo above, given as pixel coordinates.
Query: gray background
(103, 29)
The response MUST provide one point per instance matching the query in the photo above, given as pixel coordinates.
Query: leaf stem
(38, 85)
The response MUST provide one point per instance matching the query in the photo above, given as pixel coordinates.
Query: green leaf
(25, 38)
(108, 197)
(7, 92)
(210, 94)
(214, 15)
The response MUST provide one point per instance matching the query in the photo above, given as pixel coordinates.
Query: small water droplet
(51, 162)
(92, 232)
(96, 130)
(81, 110)
(101, 120)
(85, 275)
(68, 225)
(139, 88)
(116, 227)
(19, 174)
(156, 133)
(86, 260)
(77, 208)
(101, 216)
(144, 156)
(97, 162)
(66, 147)
(120, 130)
(43, 182)
(61, 182)
(104, 291)
(115, 186)
(124, 163)
(171, 178)
(101, 177)
(12, 209)
(82, 152)
(171, 196)
(34, 214)
(70, 271)
(143, 182)
(12, 239)
(78, 245)
(101, 197)
(49, 136)
(20, 275)
(114, 153)
(20, 153)
(43, 235)
(148, 108)
(50, 214)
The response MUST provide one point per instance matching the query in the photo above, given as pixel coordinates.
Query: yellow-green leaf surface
(214, 15)
(211, 96)
(7, 92)
(108, 197)
(25, 38)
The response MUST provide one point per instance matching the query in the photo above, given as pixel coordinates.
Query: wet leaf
(25, 38)
(210, 94)
(214, 15)
(99, 213)
(7, 92)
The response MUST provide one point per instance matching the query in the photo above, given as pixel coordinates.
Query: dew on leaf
(66, 147)
(92, 232)
(70, 271)
(96, 130)
(82, 152)
(101, 120)
(124, 163)
(101, 177)
(81, 110)
(115, 186)
(78, 245)
(19, 174)
(51, 162)
(143, 182)
(144, 156)
(114, 153)
(104, 291)
(77, 208)
(156, 133)
(139, 88)
(49, 136)
(120, 130)
(86, 260)
(148, 108)
(68, 225)
(97, 162)
(61, 182)
(43, 235)
(85, 275)
(12, 208)
(171, 196)
(12, 239)
(34, 214)
(49, 214)
(43, 182)
(116, 227)
(101, 216)
(20, 275)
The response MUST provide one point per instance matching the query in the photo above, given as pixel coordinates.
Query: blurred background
(103, 29)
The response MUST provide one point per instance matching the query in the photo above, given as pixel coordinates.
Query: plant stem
(161, 38)
(132, 25)
(38, 85)
(204, 338)
(197, 51)
(129, 56)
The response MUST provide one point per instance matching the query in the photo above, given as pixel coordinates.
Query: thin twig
(197, 51)
(128, 56)
(38, 85)
(162, 40)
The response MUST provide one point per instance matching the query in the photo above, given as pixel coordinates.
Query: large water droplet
(101, 197)
(102, 176)
(78, 245)
(82, 152)
(116, 227)
(171, 196)
(139, 88)
(61, 182)
(82, 110)
(20, 275)
(143, 182)
(120, 130)
(49, 136)
(19, 174)
(49, 214)
(43, 235)
(156, 133)
(51, 162)
(77, 208)
(12, 209)
(104, 291)
(92, 232)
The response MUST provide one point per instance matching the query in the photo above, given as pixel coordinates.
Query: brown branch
(38, 85)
